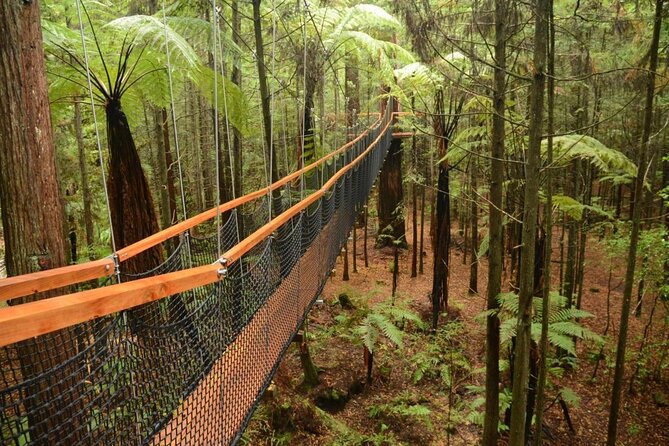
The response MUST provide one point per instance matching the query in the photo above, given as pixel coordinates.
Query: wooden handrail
(27, 284)
(18, 286)
(21, 322)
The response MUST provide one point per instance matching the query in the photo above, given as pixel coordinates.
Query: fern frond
(568, 147)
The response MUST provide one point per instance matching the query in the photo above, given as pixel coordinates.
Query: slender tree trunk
(196, 175)
(169, 166)
(548, 223)
(414, 213)
(496, 232)
(422, 230)
(161, 167)
(364, 236)
(85, 185)
(236, 78)
(345, 276)
(33, 228)
(531, 204)
(474, 230)
(634, 236)
(580, 272)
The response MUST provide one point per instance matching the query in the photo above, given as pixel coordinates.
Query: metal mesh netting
(190, 368)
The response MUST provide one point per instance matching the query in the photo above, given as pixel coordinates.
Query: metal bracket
(223, 270)
(117, 267)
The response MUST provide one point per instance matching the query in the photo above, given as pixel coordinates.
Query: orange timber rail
(28, 284)
(28, 320)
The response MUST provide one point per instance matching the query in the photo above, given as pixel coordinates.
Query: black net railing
(190, 368)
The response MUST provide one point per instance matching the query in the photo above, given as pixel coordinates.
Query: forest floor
(443, 405)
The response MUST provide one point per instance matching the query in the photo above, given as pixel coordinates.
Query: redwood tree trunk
(390, 198)
(32, 217)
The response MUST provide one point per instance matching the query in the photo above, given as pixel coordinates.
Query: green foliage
(381, 321)
(476, 413)
(570, 147)
(575, 208)
(441, 357)
(563, 324)
(406, 407)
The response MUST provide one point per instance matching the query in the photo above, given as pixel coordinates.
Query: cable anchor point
(223, 270)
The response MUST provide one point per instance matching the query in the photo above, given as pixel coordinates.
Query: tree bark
(85, 184)
(496, 233)
(390, 199)
(236, 78)
(634, 236)
(529, 232)
(33, 226)
(474, 230)
(548, 241)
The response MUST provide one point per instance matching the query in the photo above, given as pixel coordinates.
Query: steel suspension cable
(214, 37)
(271, 123)
(97, 139)
(304, 95)
(176, 133)
(174, 116)
(228, 135)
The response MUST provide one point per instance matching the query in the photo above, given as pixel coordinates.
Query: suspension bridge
(181, 354)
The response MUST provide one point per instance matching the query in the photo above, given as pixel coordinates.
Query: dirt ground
(343, 410)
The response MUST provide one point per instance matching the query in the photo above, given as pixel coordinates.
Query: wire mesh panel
(189, 368)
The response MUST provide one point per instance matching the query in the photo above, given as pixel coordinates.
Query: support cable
(98, 142)
(228, 137)
(214, 37)
(176, 134)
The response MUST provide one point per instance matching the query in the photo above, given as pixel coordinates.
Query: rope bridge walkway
(181, 354)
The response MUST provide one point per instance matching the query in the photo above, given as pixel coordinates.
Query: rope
(97, 138)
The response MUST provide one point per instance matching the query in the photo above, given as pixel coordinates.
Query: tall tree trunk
(580, 271)
(206, 177)
(548, 223)
(531, 204)
(474, 230)
(85, 185)
(33, 228)
(634, 236)
(422, 230)
(161, 167)
(442, 221)
(496, 242)
(169, 166)
(196, 170)
(568, 285)
(236, 78)
(391, 198)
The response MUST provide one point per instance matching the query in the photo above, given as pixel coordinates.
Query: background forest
(511, 268)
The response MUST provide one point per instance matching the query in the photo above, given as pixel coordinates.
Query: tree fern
(563, 325)
(569, 147)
